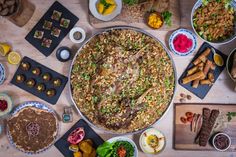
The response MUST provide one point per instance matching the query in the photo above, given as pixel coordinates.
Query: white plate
(94, 11)
(189, 34)
(122, 138)
(2, 74)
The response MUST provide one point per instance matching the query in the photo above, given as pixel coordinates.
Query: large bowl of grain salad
(122, 80)
(214, 20)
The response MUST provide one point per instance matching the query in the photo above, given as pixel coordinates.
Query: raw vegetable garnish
(167, 17)
(116, 149)
(230, 115)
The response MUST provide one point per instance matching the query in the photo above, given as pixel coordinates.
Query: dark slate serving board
(63, 146)
(47, 33)
(202, 90)
(28, 74)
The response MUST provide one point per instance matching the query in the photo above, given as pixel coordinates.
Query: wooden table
(221, 92)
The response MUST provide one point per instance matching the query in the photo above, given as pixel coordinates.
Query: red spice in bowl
(182, 43)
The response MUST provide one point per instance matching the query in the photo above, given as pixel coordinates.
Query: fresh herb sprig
(130, 2)
(167, 17)
(230, 115)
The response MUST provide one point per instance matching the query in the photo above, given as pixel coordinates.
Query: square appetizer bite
(47, 25)
(38, 34)
(46, 42)
(55, 32)
(56, 15)
(65, 23)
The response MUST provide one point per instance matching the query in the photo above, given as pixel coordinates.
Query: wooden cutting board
(184, 138)
(134, 16)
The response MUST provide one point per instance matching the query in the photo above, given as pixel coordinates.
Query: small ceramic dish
(221, 140)
(152, 141)
(73, 37)
(95, 13)
(7, 98)
(2, 74)
(189, 35)
(122, 138)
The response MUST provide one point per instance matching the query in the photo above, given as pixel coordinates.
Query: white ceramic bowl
(94, 11)
(77, 29)
(189, 34)
(152, 131)
(122, 138)
(224, 134)
(196, 6)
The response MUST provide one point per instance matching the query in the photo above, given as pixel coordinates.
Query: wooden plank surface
(221, 92)
(130, 15)
(184, 139)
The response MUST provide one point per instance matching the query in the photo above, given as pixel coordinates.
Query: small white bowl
(94, 11)
(213, 143)
(142, 141)
(189, 34)
(77, 29)
(122, 138)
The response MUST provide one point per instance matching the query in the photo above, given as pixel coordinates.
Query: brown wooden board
(128, 17)
(184, 138)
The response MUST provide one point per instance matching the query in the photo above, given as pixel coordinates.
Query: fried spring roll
(196, 83)
(202, 57)
(200, 64)
(192, 70)
(205, 82)
(213, 66)
(192, 77)
(211, 76)
(207, 67)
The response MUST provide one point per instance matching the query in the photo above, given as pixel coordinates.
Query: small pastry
(47, 25)
(36, 71)
(55, 32)
(30, 83)
(65, 23)
(25, 66)
(20, 78)
(46, 77)
(40, 87)
(56, 82)
(38, 34)
(56, 15)
(46, 42)
(51, 92)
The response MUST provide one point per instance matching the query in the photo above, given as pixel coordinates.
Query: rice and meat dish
(215, 20)
(122, 80)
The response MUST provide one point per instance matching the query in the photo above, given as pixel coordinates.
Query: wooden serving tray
(184, 138)
(132, 19)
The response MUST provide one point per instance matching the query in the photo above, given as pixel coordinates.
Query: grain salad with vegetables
(122, 80)
(215, 20)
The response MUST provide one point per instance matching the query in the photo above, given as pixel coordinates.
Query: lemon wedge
(14, 57)
(4, 49)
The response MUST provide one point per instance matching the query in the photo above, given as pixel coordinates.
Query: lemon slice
(14, 57)
(4, 49)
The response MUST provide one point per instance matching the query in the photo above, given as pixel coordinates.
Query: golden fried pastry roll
(192, 77)
(202, 57)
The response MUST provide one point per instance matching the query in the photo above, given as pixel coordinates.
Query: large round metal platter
(122, 80)
(36, 105)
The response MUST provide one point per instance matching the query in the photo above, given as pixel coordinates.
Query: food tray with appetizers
(39, 80)
(203, 70)
(196, 126)
(51, 28)
(79, 140)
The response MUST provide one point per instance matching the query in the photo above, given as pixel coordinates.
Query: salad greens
(116, 149)
(167, 17)
(230, 115)
(130, 2)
